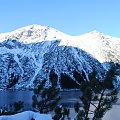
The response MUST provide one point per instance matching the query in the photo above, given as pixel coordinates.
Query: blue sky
(73, 17)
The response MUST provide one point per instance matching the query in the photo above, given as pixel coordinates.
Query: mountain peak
(94, 32)
(33, 33)
(37, 33)
(32, 27)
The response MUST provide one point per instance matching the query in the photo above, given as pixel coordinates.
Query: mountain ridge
(34, 51)
(38, 33)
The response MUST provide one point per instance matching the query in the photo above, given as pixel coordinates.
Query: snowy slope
(36, 50)
(93, 42)
(27, 115)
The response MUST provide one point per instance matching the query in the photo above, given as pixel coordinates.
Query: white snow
(27, 115)
(94, 43)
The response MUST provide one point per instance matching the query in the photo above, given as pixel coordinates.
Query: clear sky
(73, 17)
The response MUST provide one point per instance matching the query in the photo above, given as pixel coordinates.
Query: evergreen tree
(98, 96)
(13, 79)
(45, 99)
(18, 106)
(61, 113)
(65, 79)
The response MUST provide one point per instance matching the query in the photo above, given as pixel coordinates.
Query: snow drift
(27, 115)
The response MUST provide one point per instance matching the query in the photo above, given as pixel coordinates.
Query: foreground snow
(27, 115)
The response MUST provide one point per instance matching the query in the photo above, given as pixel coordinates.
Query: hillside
(35, 51)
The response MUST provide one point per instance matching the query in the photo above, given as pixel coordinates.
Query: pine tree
(98, 96)
(13, 79)
(18, 106)
(45, 99)
(61, 113)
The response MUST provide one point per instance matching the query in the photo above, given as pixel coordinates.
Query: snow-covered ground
(113, 114)
(27, 115)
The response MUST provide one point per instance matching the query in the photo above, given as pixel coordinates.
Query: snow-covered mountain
(34, 51)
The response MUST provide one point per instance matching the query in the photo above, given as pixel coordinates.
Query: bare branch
(93, 105)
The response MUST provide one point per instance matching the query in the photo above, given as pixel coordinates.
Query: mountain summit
(33, 33)
(36, 51)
